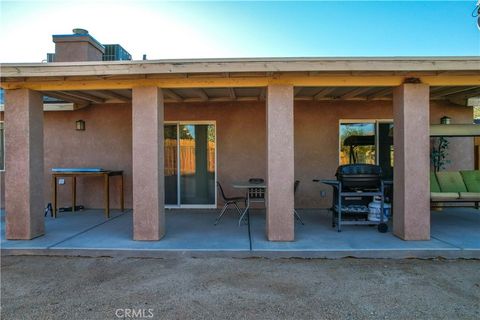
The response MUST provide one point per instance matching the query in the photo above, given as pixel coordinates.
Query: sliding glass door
(171, 164)
(190, 164)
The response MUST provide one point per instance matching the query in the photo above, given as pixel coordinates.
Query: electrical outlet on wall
(61, 181)
(323, 194)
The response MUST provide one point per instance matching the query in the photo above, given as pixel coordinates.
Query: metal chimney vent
(80, 31)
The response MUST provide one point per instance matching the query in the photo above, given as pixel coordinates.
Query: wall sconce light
(445, 120)
(80, 125)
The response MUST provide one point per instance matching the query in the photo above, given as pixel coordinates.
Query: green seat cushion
(443, 196)
(472, 180)
(474, 196)
(451, 181)
(434, 187)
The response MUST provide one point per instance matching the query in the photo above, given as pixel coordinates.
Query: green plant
(439, 153)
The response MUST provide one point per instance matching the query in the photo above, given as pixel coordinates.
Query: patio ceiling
(457, 94)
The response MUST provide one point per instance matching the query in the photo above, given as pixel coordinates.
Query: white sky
(157, 32)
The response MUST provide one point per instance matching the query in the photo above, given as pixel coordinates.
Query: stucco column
(411, 203)
(24, 175)
(280, 163)
(148, 166)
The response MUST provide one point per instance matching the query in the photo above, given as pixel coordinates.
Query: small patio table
(74, 174)
(250, 186)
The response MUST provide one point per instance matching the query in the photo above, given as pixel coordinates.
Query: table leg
(54, 197)
(122, 194)
(74, 193)
(107, 195)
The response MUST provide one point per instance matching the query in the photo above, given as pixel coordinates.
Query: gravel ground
(217, 288)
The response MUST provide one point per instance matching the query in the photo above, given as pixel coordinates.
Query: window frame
(2, 141)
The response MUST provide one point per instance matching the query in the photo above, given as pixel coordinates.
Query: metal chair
(295, 187)
(228, 201)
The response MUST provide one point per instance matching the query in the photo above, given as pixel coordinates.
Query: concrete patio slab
(67, 225)
(185, 231)
(317, 234)
(459, 227)
(192, 233)
(318, 239)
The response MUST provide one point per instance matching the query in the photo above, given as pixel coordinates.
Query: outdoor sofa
(455, 187)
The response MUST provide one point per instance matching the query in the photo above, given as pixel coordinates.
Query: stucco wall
(2, 180)
(76, 51)
(241, 143)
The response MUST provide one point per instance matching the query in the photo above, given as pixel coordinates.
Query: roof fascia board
(103, 68)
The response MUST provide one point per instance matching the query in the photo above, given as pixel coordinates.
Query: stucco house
(175, 127)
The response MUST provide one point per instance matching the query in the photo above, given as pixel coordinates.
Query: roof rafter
(380, 94)
(355, 92)
(201, 94)
(450, 91)
(172, 95)
(323, 93)
(64, 97)
(84, 96)
(231, 93)
(115, 95)
(296, 91)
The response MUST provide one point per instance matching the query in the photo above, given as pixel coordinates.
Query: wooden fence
(187, 156)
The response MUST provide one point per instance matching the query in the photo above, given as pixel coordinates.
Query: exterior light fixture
(80, 125)
(445, 120)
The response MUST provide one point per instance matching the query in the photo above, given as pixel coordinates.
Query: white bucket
(374, 209)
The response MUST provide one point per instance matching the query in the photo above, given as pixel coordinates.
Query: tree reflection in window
(357, 143)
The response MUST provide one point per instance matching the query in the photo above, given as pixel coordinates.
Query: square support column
(24, 164)
(411, 203)
(148, 165)
(280, 163)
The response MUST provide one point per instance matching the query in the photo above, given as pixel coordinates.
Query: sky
(178, 30)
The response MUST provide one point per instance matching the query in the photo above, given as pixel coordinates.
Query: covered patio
(454, 234)
(283, 97)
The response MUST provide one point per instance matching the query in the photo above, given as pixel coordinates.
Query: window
(367, 141)
(2, 147)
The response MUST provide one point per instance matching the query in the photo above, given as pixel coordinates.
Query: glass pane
(357, 143)
(385, 149)
(171, 164)
(2, 148)
(197, 164)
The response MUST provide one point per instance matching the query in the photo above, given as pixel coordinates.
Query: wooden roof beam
(450, 91)
(115, 95)
(323, 93)
(380, 94)
(63, 97)
(231, 93)
(201, 94)
(465, 95)
(263, 93)
(172, 95)
(355, 92)
(84, 96)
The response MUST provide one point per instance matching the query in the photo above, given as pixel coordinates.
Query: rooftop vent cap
(80, 31)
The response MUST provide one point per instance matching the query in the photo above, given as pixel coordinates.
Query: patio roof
(315, 79)
(185, 66)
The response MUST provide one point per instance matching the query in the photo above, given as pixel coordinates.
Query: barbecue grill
(354, 188)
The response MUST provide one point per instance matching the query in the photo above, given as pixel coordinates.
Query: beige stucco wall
(2, 180)
(76, 51)
(241, 142)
